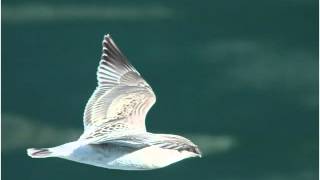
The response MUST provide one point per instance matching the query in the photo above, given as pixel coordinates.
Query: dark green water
(244, 71)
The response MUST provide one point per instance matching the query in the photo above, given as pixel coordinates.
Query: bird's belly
(151, 158)
(126, 158)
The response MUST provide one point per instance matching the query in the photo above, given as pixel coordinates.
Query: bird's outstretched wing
(164, 141)
(121, 100)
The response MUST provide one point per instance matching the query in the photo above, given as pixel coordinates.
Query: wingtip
(106, 39)
(107, 36)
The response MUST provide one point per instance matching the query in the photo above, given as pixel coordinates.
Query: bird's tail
(39, 153)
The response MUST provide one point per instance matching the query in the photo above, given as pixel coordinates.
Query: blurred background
(239, 78)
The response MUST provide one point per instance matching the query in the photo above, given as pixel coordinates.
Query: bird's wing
(163, 141)
(122, 98)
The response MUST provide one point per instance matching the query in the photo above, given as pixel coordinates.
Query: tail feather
(39, 153)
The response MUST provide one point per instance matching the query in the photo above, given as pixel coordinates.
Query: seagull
(115, 135)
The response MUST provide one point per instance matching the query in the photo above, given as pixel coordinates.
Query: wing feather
(163, 141)
(122, 95)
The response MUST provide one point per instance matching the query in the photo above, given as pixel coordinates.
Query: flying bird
(115, 135)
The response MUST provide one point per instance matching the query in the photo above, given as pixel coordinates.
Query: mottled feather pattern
(105, 128)
(121, 93)
(163, 141)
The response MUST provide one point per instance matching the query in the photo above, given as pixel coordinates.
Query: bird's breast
(151, 157)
